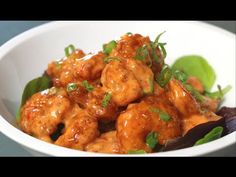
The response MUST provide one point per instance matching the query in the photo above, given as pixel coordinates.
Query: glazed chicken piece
(76, 68)
(121, 83)
(191, 111)
(134, 124)
(43, 112)
(79, 131)
(106, 143)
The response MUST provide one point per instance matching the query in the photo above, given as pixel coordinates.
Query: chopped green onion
(141, 53)
(154, 53)
(163, 49)
(212, 135)
(151, 140)
(67, 50)
(58, 65)
(163, 115)
(164, 76)
(181, 76)
(87, 86)
(107, 48)
(52, 91)
(194, 92)
(106, 99)
(219, 94)
(71, 87)
(108, 59)
(129, 33)
(156, 42)
(137, 152)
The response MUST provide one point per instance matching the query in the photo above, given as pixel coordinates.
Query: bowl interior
(26, 56)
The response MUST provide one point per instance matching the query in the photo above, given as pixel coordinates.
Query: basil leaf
(151, 140)
(137, 152)
(36, 85)
(194, 65)
(107, 48)
(212, 135)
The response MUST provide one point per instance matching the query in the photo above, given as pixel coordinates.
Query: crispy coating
(134, 124)
(106, 143)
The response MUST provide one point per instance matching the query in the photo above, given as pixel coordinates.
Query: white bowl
(27, 55)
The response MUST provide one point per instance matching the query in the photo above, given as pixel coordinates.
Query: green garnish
(129, 33)
(106, 99)
(108, 59)
(194, 92)
(220, 93)
(87, 86)
(137, 152)
(194, 65)
(163, 115)
(154, 53)
(156, 42)
(107, 48)
(212, 135)
(164, 76)
(36, 85)
(151, 140)
(58, 64)
(71, 87)
(67, 50)
(163, 50)
(181, 76)
(141, 53)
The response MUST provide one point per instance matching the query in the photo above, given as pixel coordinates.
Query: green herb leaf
(156, 42)
(163, 50)
(67, 50)
(197, 66)
(163, 115)
(141, 53)
(151, 140)
(87, 86)
(137, 152)
(106, 99)
(181, 76)
(194, 92)
(212, 135)
(108, 59)
(71, 87)
(219, 94)
(164, 76)
(107, 48)
(34, 86)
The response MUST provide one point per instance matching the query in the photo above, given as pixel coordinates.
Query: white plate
(27, 55)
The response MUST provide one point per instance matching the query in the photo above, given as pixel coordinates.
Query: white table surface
(9, 29)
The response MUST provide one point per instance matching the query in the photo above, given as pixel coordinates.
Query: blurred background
(9, 29)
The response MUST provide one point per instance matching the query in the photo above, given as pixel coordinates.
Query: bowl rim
(50, 149)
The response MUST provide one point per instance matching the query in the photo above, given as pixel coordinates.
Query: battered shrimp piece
(126, 47)
(190, 109)
(106, 143)
(121, 83)
(43, 112)
(142, 73)
(196, 84)
(182, 99)
(61, 71)
(76, 68)
(134, 124)
(95, 108)
(79, 131)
